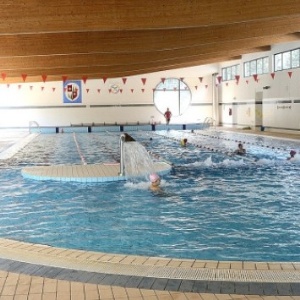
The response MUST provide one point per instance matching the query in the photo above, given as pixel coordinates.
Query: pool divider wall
(118, 128)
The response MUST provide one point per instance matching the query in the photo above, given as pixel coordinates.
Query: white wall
(43, 102)
(280, 108)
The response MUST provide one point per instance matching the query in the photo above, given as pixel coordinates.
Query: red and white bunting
(143, 90)
(19, 86)
(24, 76)
(87, 90)
(121, 91)
(237, 79)
(255, 77)
(53, 89)
(84, 79)
(201, 79)
(42, 88)
(124, 80)
(272, 75)
(163, 80)
(206, 86)
(144, 80)
(44, 77)
(8, 85)
(219, 78)
(98, 90)
(104, 79)
(132, 90)
(290, 74)
(196, 87)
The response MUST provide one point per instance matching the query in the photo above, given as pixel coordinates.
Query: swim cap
(153, 177)
(293, 152)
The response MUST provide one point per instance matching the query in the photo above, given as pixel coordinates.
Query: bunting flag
(131, 90)
(31, 87)
(272, 75)
(98, 90)
(84, 78)
(87, 90)
(290, 74)
(247, 81)
(24, 76)
(143, 80)
(124, 80)
(200, 78)
(181, 78)
(255, 77)
(42, 88)
(64, 78)
(237, 78)
(163, 80)
(44, 77)
(109, 90)
(143, 90)
(219, 79)
(206, 86)
(53, 89)
(226, 83)
(104, 79)
(19, 86)
(8, 85)
(121, 91)
(196, 87)
(3, 75)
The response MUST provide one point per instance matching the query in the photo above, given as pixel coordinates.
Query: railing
(210, 122)
(34, 124)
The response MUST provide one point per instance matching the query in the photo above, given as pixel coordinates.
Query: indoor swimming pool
(212, 205)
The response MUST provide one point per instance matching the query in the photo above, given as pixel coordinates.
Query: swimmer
(292, 155)
(155, 182)
(183, 142)
(240, 150)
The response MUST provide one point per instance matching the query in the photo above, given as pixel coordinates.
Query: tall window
(287, 60)
(174, 94)
(256, 66)
(229, 73)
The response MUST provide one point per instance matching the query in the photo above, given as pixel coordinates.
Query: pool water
(213, 205)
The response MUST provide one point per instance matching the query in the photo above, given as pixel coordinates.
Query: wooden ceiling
(118, 38)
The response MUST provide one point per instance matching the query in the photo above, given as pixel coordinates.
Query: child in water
(292, 155)
(155, 182)
(183, 142)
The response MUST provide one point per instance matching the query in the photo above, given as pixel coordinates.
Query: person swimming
(240, 150)
(292, 155)
(183, 142)
(155, 182)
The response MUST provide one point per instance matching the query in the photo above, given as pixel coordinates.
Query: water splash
(137, 161)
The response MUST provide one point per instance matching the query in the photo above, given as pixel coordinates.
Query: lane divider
(79, 150)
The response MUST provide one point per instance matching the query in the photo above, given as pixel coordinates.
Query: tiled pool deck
(32, 271)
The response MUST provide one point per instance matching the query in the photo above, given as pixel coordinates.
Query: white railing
(34, 124)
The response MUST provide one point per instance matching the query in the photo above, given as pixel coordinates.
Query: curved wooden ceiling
(105, 39)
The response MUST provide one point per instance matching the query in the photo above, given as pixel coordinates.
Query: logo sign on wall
(72, 91)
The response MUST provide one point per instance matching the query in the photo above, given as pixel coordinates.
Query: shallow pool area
(212, 205)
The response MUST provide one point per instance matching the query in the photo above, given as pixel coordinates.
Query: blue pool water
(212, 205)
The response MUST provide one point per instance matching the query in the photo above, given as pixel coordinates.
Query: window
(287, 60)
(174, 94)
(256, 66)
(229, 73)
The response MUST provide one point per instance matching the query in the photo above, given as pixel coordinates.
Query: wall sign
(72, 91)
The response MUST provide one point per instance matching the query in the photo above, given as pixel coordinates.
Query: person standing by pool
(168, 116)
